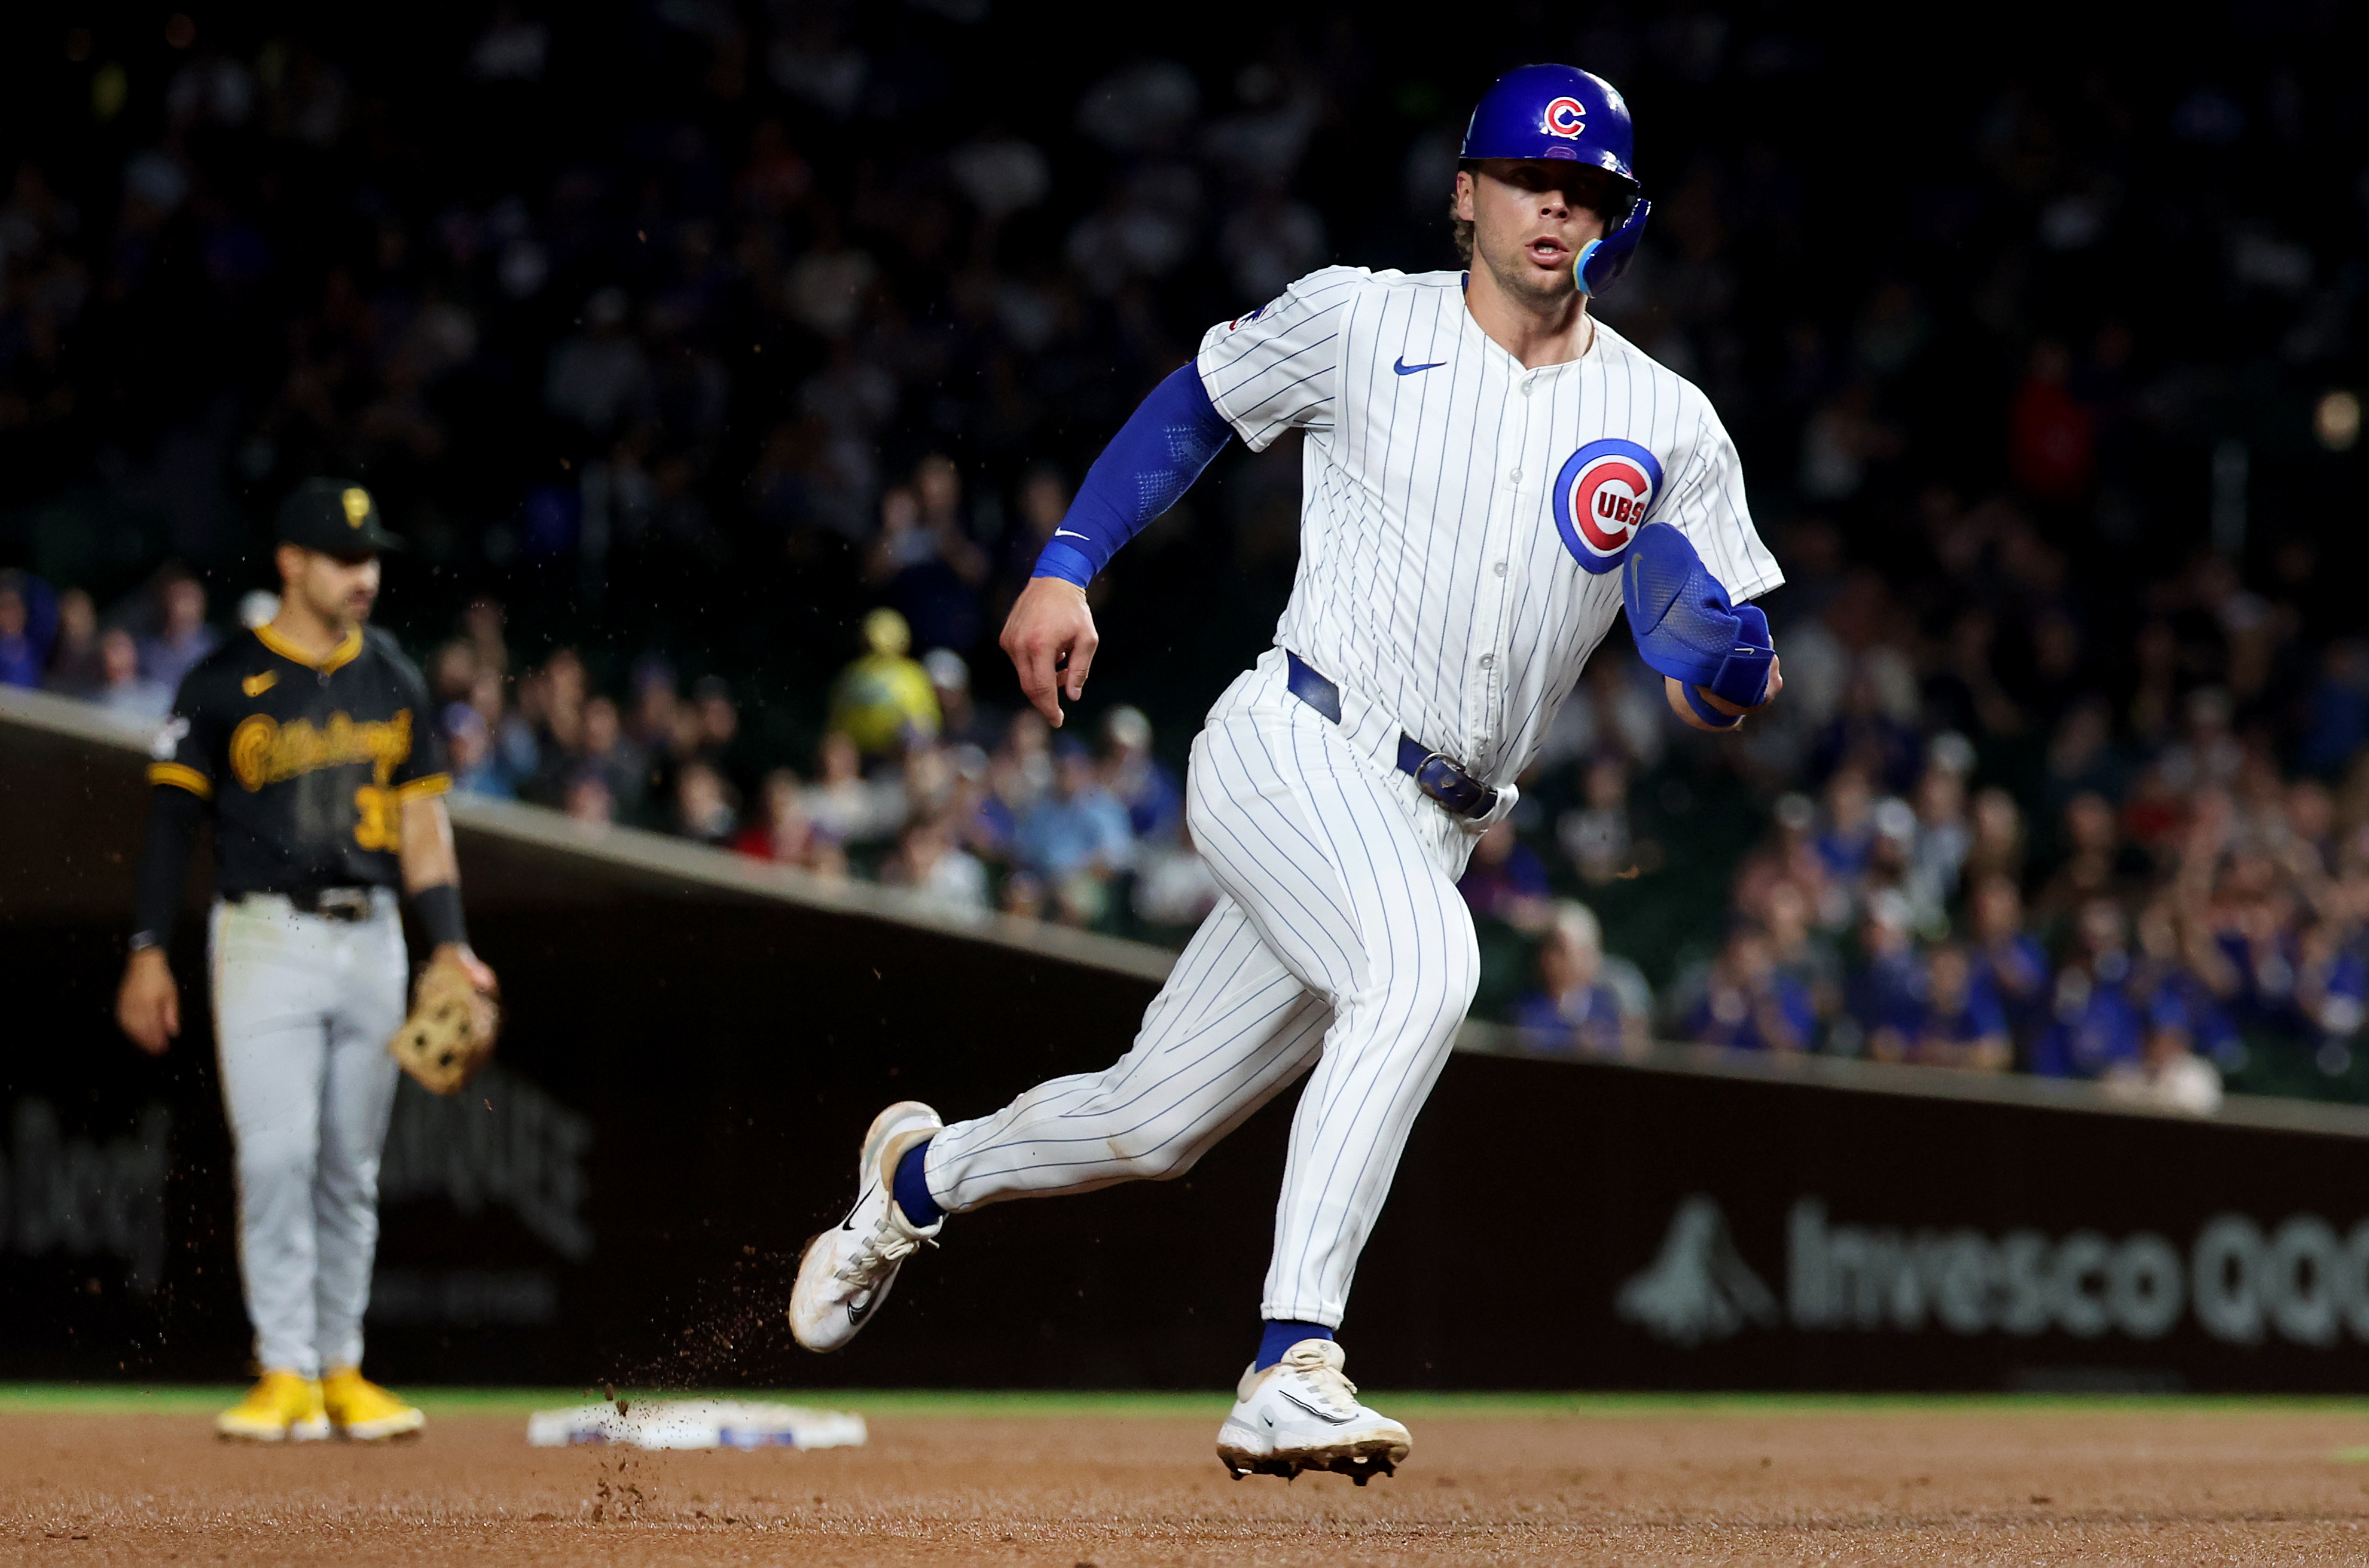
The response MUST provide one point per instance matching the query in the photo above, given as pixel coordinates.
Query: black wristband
(163, 873)
(438, 909)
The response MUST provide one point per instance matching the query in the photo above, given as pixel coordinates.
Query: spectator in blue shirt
(183, 639)
(1802, 952)
(1879, 999)
(2165, 986)
(2337, 722)
(24, 639)
(1954, 1018)
(1867, 732)
(2008, 959)
(127, 693)
(1141, 782)
(1506, 880)
(2331, 982)
(2094, 1023)
(1846, 838)
(476, 767)
(1579, 1008)
(1079, 828)
(2250, 960)
(1750, 1005)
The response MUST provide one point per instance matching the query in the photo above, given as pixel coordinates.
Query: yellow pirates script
(263, 750)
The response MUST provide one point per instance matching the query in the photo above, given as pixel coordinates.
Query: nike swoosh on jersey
(1400, 366)
(1068, 534)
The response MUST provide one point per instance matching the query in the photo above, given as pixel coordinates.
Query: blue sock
(1281, 1336)
(912, 1189)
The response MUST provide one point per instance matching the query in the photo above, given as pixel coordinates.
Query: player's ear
(289, 559)
(1463, 202)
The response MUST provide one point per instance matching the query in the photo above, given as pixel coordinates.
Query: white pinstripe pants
(1341, 945)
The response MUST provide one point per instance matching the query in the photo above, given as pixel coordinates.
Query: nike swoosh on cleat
(1068, 534)
(849, 1223)
(1400, 366)
(1322, 1415)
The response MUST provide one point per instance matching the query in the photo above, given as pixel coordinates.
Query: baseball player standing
(1489, 473)
(311, 745)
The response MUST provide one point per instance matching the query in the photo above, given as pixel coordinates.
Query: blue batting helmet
(1563, 112)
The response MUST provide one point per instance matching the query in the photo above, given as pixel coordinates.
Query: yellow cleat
(363, 1411)
(282, 1407)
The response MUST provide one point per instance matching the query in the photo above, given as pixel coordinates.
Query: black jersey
(307, 764)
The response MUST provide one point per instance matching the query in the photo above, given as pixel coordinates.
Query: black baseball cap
(336, 516)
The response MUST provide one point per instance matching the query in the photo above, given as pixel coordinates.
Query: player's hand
(1675, 695)
(148, 1005)
(1050, 640)
(480, 974)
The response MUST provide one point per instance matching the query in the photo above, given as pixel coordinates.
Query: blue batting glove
(1685, 628)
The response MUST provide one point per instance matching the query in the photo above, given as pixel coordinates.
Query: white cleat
(847, 1270)
(1301, 1414)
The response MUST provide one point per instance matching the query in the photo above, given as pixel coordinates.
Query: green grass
(184, 1398)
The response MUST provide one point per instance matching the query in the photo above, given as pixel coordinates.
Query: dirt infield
(1881, 1484)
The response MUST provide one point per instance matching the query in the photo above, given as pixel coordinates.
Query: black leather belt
(1435, 775)
(352, 905)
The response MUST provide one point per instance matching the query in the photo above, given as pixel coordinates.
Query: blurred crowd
(2161, 950)
(129, 664)
(915, 784)
(727, 363)
(2166, 885)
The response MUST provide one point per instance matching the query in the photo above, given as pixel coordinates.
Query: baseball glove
(449, 1033)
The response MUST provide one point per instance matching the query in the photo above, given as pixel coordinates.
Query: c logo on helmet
(1600, 500)
(1565, 117)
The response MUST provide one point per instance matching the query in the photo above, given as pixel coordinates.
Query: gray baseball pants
(304, 1007)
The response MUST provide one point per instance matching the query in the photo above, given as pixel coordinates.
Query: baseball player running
(1489, 473)
(311, 746)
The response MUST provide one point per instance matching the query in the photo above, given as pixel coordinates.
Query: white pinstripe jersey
(1463, 518)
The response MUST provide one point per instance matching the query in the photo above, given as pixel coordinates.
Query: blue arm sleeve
(1154, 460)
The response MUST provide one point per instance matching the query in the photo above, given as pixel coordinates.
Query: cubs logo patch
(1600, 500)
(1236, 325)
(1565, 117)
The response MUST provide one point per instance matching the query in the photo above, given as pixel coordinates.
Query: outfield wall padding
(694, 1044)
